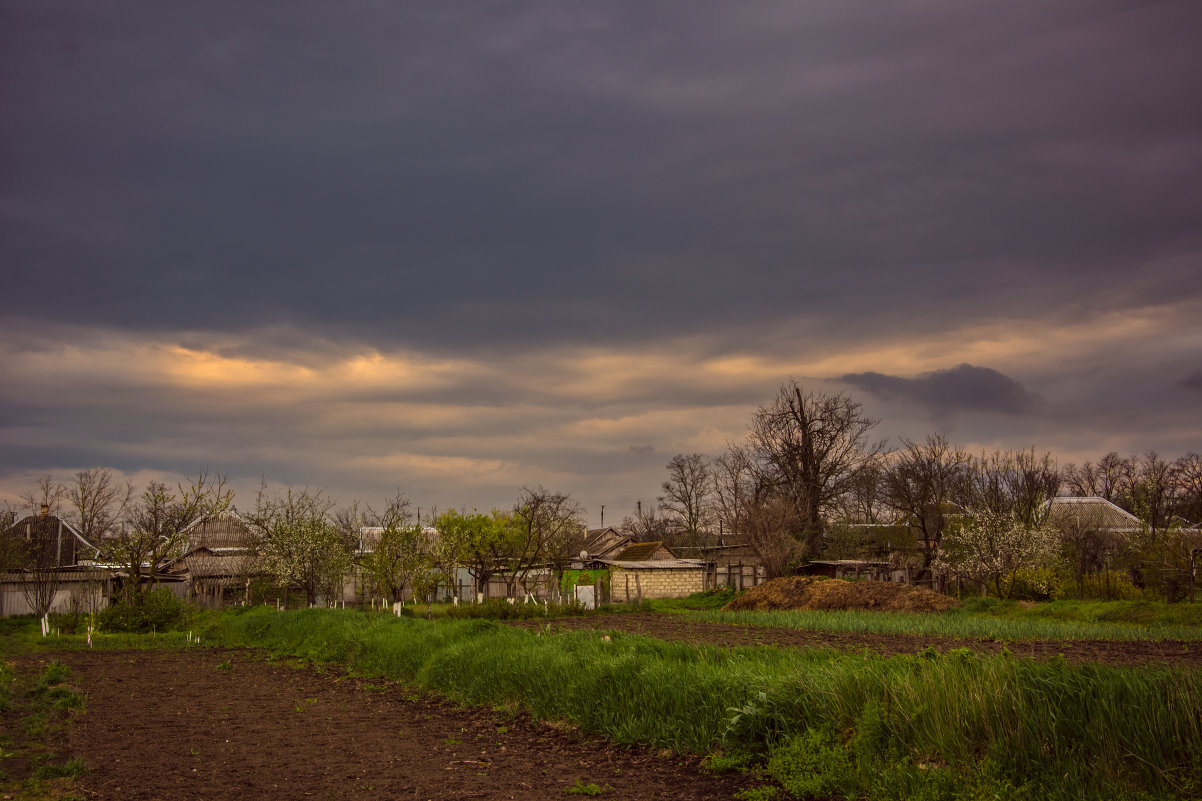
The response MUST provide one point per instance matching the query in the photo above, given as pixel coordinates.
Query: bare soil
(674, 627)
(225, 724)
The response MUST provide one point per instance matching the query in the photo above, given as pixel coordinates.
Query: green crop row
(963, 623)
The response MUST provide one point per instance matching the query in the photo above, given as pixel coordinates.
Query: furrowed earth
(223, 724)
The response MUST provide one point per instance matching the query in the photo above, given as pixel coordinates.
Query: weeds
(590, 789)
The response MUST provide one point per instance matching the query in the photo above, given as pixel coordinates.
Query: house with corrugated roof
(66, 564)
(220, 558)
(1082, 513)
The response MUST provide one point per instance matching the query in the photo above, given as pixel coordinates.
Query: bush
(152, 610)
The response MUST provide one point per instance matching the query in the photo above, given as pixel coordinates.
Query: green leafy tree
(480, 542)
(399, 555)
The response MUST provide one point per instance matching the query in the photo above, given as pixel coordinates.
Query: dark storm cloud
(409, 173)
(1192, 381)
(964, 388)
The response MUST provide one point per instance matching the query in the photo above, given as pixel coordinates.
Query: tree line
(298, 538)
(808, 481)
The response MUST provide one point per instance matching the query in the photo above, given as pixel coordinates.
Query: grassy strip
(953, 623)
(923, 726)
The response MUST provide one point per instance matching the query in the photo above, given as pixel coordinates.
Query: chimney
(45, 510)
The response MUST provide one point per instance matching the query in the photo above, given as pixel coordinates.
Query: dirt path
(217, 724)
(676, 627)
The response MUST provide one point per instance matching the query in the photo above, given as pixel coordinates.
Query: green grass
(1014, 624)
(902, 727)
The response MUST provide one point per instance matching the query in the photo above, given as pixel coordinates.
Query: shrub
(152, 610)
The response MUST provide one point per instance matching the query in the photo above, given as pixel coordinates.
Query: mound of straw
(804, 592)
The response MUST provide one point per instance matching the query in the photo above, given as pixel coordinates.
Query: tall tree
(1152, 491)
(688, 493)
(46, 493)
(1188, 474)
(1110, 478)
(812, 446)
(99, 500)
(752, 508)
(1015, 483)
(920, 483)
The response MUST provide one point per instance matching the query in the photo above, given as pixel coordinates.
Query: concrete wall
(82, 596)
(626, 584)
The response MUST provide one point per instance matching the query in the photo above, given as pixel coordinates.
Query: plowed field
(213, 724)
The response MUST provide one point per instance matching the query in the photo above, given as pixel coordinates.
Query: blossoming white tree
(990, 547)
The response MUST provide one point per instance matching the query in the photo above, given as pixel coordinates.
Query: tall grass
(894, 727)
(953, 623)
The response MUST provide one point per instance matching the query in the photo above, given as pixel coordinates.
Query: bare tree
(46, 494)
(812, 447)
(1015, 483)
(545, 524)
(920, 483)
(648, 524)
(688, 495)
(40, 545)
(154, 528)
(1188, 474)
(99, 501)
(12, 546)
(865, 499)
(755, 510)
(1089, 545)
(1152, 491)
(1110, 478)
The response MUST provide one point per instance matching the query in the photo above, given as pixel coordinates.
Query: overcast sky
(457, 248)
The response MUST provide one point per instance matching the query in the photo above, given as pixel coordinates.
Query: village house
(60, 561)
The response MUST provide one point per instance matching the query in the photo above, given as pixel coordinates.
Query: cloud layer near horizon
(462, 250)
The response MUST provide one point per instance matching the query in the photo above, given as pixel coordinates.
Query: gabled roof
(224, 529)
(1091, 512)
(603, 542)
(645, 551)
(40, 524)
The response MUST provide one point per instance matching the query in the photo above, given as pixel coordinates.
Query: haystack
(804, 592)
